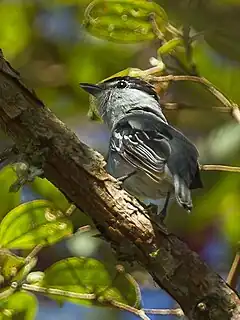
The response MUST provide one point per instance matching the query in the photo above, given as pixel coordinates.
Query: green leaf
(10, 264)
(33, 223)
(49, 192)
(124, 21)
(9, 200)
(89, 276)
(169, 46)
(21, 305)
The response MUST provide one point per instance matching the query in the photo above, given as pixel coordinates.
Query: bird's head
(120, 94)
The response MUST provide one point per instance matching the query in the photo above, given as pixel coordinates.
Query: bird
(151, 158)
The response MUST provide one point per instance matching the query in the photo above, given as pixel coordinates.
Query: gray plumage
(157, 159)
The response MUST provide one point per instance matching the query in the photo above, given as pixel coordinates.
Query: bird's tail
(182, 193)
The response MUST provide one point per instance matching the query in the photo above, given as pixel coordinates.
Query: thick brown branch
(79, 173)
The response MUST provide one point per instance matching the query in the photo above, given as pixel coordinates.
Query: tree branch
(234, 272)
(218, 167)
(233, 107)
(79, 173)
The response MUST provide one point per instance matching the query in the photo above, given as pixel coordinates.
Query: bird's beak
(93, 89)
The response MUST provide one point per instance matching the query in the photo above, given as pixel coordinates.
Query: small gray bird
(152, 159)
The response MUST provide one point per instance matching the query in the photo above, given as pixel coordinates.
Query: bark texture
(78, 172)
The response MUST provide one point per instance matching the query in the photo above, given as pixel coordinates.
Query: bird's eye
(122, 84)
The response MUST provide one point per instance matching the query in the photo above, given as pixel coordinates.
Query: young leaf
(49, 192)
(33, 223)
(21, 305)
(9, 200)
(89, 276)
(169, 46)
(123, 20)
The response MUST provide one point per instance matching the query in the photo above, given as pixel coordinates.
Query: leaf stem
(155, 28)
(164, 312)
(138, 312)
(33, 253)
(6, 293)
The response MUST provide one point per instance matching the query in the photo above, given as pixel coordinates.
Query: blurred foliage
(57, 44)
(21, 305)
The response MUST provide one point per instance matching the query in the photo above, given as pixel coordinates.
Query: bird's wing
(148, 143)
(141, 146)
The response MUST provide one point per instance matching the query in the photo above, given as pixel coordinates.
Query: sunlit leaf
(89, 276)
(13, 18)
(124, 20)
(9, 200)
(49, 192)
(21, 305)
(33, 223)
(10, 264)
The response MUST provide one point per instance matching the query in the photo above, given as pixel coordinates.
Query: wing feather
(148, 143)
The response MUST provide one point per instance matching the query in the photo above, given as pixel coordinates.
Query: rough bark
(78, 172)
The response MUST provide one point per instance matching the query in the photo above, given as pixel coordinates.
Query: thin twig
(155, 28)
(33, 253)
(70, 210)
(234, 271)
(152, 70)
(210, 87)
(164, 312)
(140, 313)
(172, 106)
(6, 293)
(58, 292)
(87, 296)
(218, 167)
